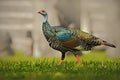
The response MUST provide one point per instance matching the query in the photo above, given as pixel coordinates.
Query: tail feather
(109, 44)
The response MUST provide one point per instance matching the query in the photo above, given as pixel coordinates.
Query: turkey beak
(39, 12)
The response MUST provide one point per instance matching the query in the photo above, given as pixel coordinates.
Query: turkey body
(65, 39)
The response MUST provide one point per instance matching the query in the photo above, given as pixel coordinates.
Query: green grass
(94, 66)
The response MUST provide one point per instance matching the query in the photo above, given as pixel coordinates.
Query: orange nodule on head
(42, 12)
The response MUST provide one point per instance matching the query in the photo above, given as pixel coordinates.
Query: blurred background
(21, 25)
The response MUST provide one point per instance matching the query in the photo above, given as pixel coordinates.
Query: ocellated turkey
(65, 39)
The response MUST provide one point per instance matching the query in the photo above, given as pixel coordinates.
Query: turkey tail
(109, 44)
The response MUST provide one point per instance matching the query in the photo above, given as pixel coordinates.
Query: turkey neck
(45, 18)
(46, 25)
(47, 28)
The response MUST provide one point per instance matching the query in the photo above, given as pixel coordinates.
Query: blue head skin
(44, 14)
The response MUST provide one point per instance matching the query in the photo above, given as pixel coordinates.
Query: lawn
(94, 66)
